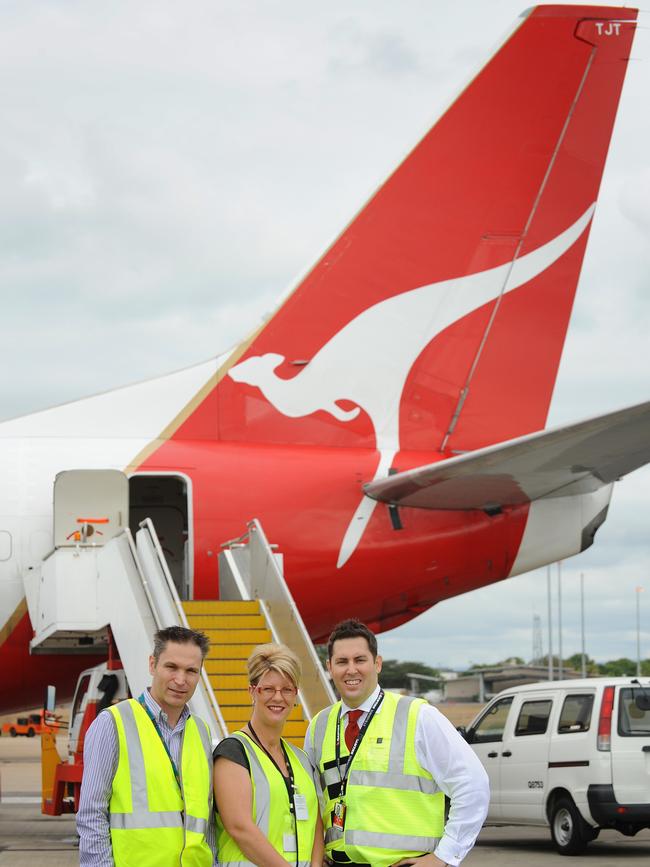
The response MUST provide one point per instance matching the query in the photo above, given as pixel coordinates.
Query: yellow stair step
(231, 651)
(217, 606)
(238, 636)
(227, 621)
(215, 666)
(236, 697)
(225, 681)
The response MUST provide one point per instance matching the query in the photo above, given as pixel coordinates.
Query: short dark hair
(179, 635)
(352, 628)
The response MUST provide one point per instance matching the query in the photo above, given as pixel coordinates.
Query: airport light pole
(560, 663)
(550, 623)
(582, 623)
(638, 630)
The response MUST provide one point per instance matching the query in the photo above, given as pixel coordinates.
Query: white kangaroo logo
(368, 361)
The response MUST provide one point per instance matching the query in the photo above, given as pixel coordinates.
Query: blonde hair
(273, 657)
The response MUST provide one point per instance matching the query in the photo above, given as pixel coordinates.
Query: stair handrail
(148, 526)
(265, 582)
(143, 578)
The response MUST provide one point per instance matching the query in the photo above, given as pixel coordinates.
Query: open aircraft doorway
(164, 499)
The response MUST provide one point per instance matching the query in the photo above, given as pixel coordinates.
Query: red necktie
(352, 728)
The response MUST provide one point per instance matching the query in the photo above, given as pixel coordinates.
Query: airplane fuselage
(304, 497)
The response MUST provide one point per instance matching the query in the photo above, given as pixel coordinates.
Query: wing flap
(575, 459)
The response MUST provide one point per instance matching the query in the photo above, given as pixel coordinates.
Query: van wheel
(30, 733)
(569, 830)
(13, 732)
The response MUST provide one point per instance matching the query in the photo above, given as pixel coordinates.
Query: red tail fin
(436, 320)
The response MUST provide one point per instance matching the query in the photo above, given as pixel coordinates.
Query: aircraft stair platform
(89, 591)
(78, 594)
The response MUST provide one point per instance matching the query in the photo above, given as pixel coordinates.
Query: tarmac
(25, 832)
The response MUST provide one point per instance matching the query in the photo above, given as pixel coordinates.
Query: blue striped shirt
(101, 755)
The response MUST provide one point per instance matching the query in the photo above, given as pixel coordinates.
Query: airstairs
(255, 606)
(99, 577)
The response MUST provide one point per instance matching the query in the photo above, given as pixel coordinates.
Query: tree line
(394, 673)
(622, 667)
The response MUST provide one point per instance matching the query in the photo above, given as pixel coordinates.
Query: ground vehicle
(34, 724)
(574, 754)
(97, 688)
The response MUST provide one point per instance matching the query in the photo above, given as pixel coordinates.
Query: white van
(572, 754)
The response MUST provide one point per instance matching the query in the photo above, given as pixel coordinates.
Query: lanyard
(289, 783)
(355, 747)
(164, 742)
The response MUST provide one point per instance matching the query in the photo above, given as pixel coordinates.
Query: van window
(576, 714)
(489, 728)
(533, 717)
(632, 720)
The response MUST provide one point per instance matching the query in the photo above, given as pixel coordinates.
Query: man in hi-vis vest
(386, 762)
(146, 794)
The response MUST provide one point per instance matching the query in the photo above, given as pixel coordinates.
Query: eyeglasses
(267, 692)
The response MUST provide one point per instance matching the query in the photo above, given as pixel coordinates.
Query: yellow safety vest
(271, 811)
(153, 822)
(394, 809)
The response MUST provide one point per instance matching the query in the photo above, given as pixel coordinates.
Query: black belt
(337, 857)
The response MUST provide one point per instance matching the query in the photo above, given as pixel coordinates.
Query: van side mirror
(468, 734)
(49, 702)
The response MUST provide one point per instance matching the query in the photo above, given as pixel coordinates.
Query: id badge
(300, 801)
(289, 842)
(338, 819)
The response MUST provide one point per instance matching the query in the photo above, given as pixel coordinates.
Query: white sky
(167, 170)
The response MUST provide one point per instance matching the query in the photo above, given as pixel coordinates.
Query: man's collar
(364, 706)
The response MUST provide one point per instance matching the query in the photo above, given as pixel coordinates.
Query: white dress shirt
(455, 769)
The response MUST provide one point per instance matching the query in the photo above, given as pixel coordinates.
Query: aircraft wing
(565, 461)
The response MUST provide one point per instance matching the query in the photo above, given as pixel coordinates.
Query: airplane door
(486, 739)
(90, 507)
(166, 501)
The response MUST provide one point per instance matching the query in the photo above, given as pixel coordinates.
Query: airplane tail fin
(437, 318)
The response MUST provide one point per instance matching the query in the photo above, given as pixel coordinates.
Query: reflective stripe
(391, 841)
(145, 819)
(236, 864)
(398, 736)
(320, 727)
(198, 826)
(387, 780)
(331, 776)
(302, 757)
(262, 788)
(250, 864)
(204, 734)
(137, 772)
(332, 834)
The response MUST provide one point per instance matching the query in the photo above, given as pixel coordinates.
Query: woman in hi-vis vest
(266, 803)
